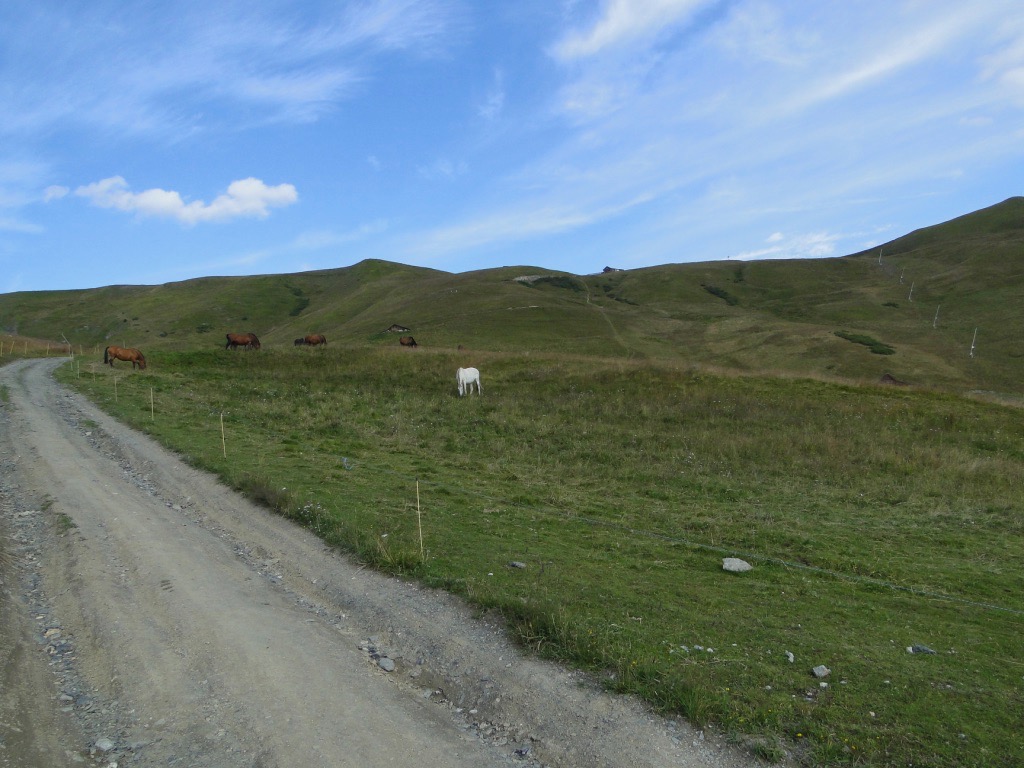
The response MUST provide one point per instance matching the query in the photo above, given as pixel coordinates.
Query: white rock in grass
(735, 565)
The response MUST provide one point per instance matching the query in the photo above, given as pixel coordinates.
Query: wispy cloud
(810, 245)
(321, 239)
(514, 225)
(9, 224)
(443, 169)
(54, 192)
(625, 22)
(895, 54)
(246, 198)
(494, 102)
(165, 69)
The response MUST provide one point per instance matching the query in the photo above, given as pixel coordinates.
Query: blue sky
(145, 143)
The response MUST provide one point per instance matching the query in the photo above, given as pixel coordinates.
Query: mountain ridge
(921, 294)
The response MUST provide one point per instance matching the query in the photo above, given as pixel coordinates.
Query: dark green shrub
(721, 293)
(876, 347)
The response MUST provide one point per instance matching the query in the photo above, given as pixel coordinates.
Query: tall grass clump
(591, 502)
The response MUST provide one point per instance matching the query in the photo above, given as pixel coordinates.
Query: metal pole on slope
(972, 342)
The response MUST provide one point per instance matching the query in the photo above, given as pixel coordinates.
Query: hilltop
(909, 307)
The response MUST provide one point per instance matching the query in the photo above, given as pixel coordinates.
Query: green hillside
(617, 453)
(767, 316)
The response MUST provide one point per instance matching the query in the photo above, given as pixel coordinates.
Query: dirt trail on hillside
(152, 617)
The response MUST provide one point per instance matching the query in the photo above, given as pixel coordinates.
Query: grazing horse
(128, 354)
(299, 342)
(408, 341)
(466, 378)
(314, 339)
(244, 340)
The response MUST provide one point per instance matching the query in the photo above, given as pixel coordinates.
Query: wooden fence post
(419, 519)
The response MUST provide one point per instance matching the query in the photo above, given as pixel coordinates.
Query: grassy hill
(770, 316)
(617, 454)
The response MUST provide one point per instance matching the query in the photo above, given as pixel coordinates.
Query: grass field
(876, 519)
(12, 347)
(941, 310)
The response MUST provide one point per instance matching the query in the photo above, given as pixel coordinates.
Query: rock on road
(152, 617)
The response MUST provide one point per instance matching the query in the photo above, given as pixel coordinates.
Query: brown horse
(408, 341)
(128, 354)
(315, 339)
(243, 340)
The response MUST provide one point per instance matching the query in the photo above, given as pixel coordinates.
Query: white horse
(466, 378)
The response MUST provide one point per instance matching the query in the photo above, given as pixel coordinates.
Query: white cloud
(244, 198)
(527, 221)
(495, 99)
(8, 224)
(318, 239)
(625, 21)
(902, 47)
(813, 245)
(1006, 62)
(757, 30)
(979, 121)
(444, 169)
(54, 192)
(168, 69)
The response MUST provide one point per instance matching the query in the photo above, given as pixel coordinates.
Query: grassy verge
(17, 347)
(876, 520)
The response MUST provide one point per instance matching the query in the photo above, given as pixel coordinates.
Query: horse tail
(106, 358)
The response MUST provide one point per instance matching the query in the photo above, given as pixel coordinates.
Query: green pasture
(876, 519)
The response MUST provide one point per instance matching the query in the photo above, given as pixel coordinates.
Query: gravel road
(152, 617)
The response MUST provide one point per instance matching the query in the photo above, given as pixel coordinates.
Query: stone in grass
(919, 649)
(735, 565)
(821, 671)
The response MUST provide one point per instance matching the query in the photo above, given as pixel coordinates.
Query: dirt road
(152, 617)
